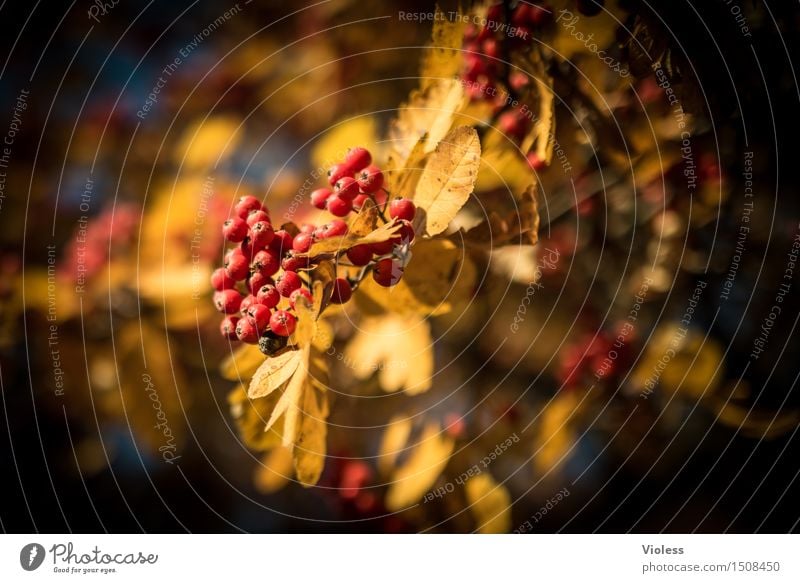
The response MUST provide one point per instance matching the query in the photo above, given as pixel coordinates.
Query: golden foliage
(490, 504)
(442, 58)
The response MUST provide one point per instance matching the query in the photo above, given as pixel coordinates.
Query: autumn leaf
(443, 57)
(309, 448)
(556, 435)
(273, 373)
(400, 348)
(241, 363)
(425, 464)
(490, 504)
(336, 245)
(439, 279)
(448, 179)
(393, 443)
(275, 471)
(518, 226)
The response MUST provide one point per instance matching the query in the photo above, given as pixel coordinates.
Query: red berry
(402, 208)
(338, 171)
(247, 301)
(346, 188)
(308, 228)
(261, 234)
(341, 291)
(387, 272)
(228, 327)
(294, 263)
(370, 179)
(338, 206)
(259, 314)
(256, 217)
(246, 331)
(236, 265)
(302, 243)
(256, 281)
(535, 162)
(383, 247)
(360, 255)
(234, 230)
(320, 196)
(491, 48)
(405, 234)
(227, 301)
(357, 159)
(513, 124)
(336, 228)
(359, 201)
(287, 282)
(220, 280)
(282, 323)
(266, 262)
(269, 296)
(245, 205)
(298, 293)
(281, 243)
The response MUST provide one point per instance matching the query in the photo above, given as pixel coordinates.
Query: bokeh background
(713, 448)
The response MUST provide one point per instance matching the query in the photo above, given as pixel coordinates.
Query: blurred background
(129, 131)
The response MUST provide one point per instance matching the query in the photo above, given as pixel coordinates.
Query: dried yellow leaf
(275, 470)
(443, 57)
(273, 373)
(393, 443)
(335, 245)
(309, 449)
(448, 179)
(241, 363)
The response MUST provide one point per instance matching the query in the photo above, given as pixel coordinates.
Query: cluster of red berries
(484, 48)
(265, 265)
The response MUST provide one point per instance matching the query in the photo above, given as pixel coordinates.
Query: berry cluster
(486, 53)
(262, 275)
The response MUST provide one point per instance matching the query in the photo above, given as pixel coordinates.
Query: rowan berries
(370, 179)
(246, 331)
(338, 206)
(293, 263)
(357, 159)
(346, 188)
(302, 243)
(360, 255)
(245, 205)
(261, 234)
(234, 230)
(287, 282)
(256, 217)
(228, 327)
(341, 291)
(402, 208)
(387, 272)
(269, 296)
(256, 281)
(282, 323)
(220, 280)
(320, 196)
(301, 292)
(266, 262)
(237, 266)
(227, 301)
(338, 171)
(281, 242)
(259, 314)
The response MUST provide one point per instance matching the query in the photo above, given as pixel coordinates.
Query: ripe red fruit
(256, 281)
(236, 265)
(257, 216)
(383, 247)
(245, 205)
(302, 243)
(294, 263)
(338, 171)
(247, 301)
(513, 124)
(259, 314)
(281, 242)
(360, 255)
(535, 162)
(402, 208)
(282, 323)
(320, 196)
(261, 235)
(269, 296)
(220, 280)
(405, 234)
(357, 159)
(266, 262)
(338, 206)
(346, 188)
(307, 228)
(227, 301)
(336, 228)
(370, 179)
(491, 48)
(359, 201)
(298, 293)
(234, 230)
(341, 291)
(246, 331)
(287, 282)
(387, 272)
(228, 327)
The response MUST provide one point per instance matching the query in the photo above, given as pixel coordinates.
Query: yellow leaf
(425, 464)
(273, 373)
(448, 179)
(275, 470)
(336, 245)
(439, 279)
(503, 167)
(333, 145)
(393, 443)
(241, 363)
(250, 417)
(289, 401)
(443, 57)
(428, 114)
(555, 436)
(366, 220)
(518, 226)
(401, 348)
(309, 449)
(490, 504)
